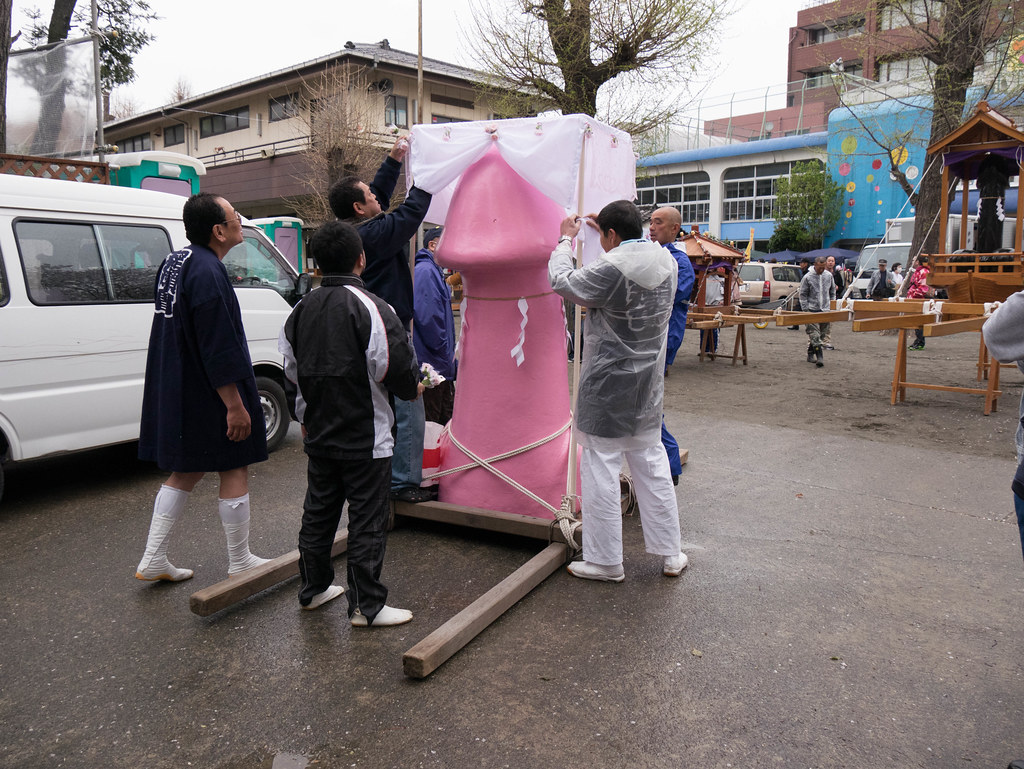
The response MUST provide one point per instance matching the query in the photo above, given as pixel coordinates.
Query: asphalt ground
(854, 599)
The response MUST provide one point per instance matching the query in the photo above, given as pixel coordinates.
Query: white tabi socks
(168, 507)
(234, 517)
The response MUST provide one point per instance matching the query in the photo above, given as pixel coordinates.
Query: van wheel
(275, 411)
(1, 480)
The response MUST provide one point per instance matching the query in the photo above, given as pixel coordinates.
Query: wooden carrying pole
(438, 647)
(234, 589)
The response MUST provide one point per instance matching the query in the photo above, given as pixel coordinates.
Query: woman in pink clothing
(919, 289)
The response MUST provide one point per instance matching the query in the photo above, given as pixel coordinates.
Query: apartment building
(253, 136)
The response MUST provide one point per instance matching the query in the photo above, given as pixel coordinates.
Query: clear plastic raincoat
(628, 294)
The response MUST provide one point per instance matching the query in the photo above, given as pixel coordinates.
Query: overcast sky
(211, 44)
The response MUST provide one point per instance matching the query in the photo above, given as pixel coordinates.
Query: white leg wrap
(234, 517)
(168, 507)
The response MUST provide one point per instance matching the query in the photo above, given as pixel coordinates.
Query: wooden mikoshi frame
(905, 315)
(440, 645)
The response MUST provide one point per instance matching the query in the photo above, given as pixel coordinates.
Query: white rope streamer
(932, 307)
(517, 352)
(462, 328)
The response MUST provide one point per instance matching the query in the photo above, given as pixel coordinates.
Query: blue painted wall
(861, 167)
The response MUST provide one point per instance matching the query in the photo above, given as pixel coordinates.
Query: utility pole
(419, 68)
(100, 141)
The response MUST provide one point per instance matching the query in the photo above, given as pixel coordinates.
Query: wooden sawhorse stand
(908, 316)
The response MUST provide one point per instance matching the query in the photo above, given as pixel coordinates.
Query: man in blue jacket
(433, 331)
(385, 239)
(664, 229)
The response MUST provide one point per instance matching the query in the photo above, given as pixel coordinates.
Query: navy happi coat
(196, 345)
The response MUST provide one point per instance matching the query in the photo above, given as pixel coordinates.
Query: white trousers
(602, 505)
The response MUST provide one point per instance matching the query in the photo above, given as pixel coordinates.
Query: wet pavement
(866, 619)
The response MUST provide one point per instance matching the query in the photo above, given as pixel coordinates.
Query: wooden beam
(951, 389)
(799, 318)
(234, 589)
(893, 321)
(947, 327)
(438, 647)
(487, 520)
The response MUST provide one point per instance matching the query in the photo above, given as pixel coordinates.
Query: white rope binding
(564, 515)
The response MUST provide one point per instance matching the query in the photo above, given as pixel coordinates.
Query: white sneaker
(673, 565)
(321, 598)
(386, 617)
(586, 570)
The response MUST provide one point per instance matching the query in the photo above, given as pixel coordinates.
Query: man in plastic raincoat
(628, 294)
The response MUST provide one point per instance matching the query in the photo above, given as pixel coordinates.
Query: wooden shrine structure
(988, 140)
(706, 254)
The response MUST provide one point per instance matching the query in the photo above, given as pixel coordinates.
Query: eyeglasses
(236, 218)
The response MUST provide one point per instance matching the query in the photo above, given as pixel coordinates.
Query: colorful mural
(861, 166)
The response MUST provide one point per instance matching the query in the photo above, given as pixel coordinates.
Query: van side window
(73, 263)
(133, 256)
(4, 293)
(250, 263)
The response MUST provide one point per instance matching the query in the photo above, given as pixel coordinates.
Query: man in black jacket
(346, 355)
(388, 274)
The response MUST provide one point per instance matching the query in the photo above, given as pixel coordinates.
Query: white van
(867, 264)
(77, 267)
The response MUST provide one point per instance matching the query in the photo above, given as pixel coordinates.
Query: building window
(139, 143)
(451, 101)
(224, 122)
(174, 134)
(912, 13)
(284, 107)
(689, 193)
(446, 119)
(396, 111)
(750, 191)
(915, 68)
(836, 30)
(816, 79)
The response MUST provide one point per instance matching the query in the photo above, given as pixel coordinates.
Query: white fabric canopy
(550, 153)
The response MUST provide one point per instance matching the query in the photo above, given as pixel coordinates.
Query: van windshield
(890, 252)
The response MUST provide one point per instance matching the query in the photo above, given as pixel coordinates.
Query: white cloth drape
(548, 152)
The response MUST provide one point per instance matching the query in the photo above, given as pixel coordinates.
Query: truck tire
(275, 411)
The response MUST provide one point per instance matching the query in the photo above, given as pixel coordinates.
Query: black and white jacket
(345, 354)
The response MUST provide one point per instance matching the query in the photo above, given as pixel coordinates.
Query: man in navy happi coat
(201, 410)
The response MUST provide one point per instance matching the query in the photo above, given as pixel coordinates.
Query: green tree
(810, 199)
(790, 235)
(627, 59)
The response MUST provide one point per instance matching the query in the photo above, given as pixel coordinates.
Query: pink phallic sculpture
(499, 234)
